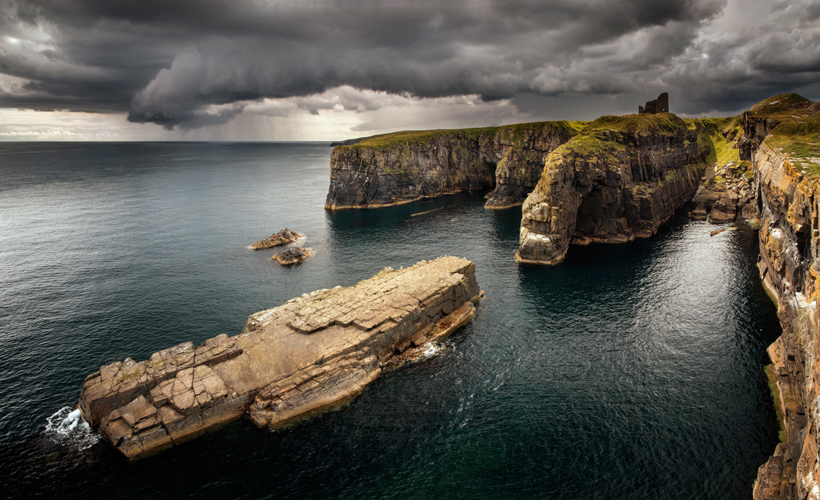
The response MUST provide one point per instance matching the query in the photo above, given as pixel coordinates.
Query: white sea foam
(432, 349)
(68, 426)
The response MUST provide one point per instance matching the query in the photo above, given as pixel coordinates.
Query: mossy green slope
(421, 137)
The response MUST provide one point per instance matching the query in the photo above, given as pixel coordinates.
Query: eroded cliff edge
(312, 353)
(781, 136)
(397, 168)
(619, 179)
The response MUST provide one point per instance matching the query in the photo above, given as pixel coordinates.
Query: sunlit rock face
(781, 136)
(617, 180)
(306, 356)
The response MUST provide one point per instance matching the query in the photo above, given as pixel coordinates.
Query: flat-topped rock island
(290, 362)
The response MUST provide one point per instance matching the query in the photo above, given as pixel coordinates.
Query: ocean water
(630, 371)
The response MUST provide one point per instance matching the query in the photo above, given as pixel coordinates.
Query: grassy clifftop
(609, 134)
(661, 123)
(800, 138)
(420, 137)
(797, 130)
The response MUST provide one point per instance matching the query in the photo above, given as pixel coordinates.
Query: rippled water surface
(628, 371)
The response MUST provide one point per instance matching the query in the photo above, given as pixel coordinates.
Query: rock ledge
(290, 362)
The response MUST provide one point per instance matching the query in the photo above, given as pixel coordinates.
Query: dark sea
(629, 371)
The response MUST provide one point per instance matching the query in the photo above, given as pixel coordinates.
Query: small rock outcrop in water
(659, 105)
(618, 180)
(397, 168)
(290, 362)
(291, 256)
(283, 237)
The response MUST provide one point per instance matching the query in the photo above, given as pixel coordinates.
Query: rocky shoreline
(399, 168)
(619, 178)
(290, 362)
(611, 180)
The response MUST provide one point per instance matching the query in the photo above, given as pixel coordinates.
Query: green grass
(418, 137)
(586, 145)
(421, 137)
(717, 135)
(778, 105)
(663, 123)
(800, 139)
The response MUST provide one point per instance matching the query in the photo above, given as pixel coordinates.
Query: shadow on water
(348, 226)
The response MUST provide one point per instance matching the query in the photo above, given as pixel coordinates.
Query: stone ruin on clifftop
(659, 105)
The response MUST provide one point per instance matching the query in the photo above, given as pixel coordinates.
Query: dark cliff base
(398, 168)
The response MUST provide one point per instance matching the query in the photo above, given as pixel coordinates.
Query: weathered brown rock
(726, 193)
(402, 167)
(618, 180)
(283, 237)
(291, 256)
(788, 252)
(782, 137)
(314, 352)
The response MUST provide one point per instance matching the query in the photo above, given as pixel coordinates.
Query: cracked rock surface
(290, 362)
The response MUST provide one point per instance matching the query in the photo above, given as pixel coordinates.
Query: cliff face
(618, 180)
(402, 167)
(519, 152)
(787, 169)
(758, 122)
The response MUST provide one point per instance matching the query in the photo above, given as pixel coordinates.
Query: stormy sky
(315, 70)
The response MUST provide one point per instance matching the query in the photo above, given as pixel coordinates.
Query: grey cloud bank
(195, 63)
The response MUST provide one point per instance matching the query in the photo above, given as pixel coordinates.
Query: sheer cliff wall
(619, 179)
(405, 166)
(781, 136)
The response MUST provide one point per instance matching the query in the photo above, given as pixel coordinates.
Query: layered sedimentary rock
(763, 117)
(726, 194)
(405, 166)
(619, 179)
(787, 168)
(290, 362)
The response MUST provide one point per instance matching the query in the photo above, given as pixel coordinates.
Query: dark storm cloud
(194, 62)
